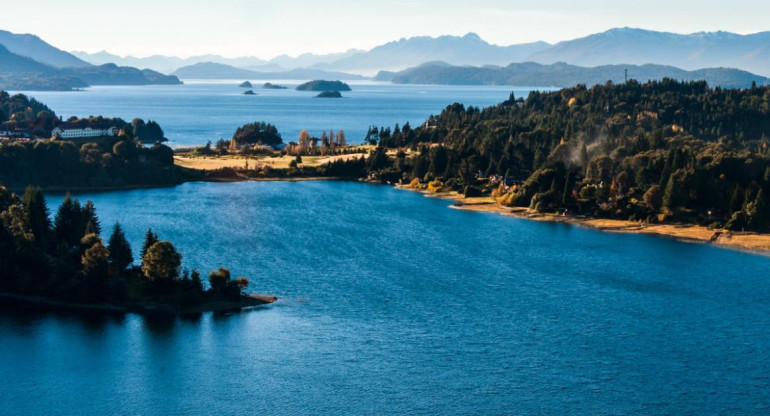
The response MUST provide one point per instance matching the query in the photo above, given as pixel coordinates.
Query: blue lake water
(392, 303)
(197, 112)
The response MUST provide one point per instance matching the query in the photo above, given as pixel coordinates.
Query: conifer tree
(120, 251)
(37, 214)
(150, 238)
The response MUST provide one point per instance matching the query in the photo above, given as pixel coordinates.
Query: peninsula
(65, 263)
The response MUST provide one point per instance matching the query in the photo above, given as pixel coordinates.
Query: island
(269, 86)
(245, 84)
(320, 85)
(249, 92)
(329, 94)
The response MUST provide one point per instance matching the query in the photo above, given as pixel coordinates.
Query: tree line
(656, 151)
(67, 259)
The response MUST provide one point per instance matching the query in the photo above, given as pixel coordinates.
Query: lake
(392, 303)
(202, 111)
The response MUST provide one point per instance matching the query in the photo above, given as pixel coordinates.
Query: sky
(268, 28)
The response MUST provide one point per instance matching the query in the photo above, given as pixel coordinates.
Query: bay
(393, 303)
(202, 111)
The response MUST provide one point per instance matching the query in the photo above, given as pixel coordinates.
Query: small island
(320, 85)
(246, 84)
(249, 92)
(269, 86)
(329, 94)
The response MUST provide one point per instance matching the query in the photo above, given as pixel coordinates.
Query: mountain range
(29, 72)
(464, 59)
(564, 75)
(613, 47)
(211, 70)
(638, 46)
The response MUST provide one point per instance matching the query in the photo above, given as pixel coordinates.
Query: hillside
(33, 47)
(563, 75)
(13, 63)
(22, 73)
(18, 72)
(638, 46)
(111, 74)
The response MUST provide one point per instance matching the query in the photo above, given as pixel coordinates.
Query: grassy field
(280, 162)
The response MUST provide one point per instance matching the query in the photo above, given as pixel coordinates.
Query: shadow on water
(25, 314)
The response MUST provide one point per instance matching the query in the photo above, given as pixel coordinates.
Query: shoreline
(208, 305)
(749, 242)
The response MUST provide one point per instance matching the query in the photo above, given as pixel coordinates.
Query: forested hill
(104, 162)
(658, 151)
(563, 75)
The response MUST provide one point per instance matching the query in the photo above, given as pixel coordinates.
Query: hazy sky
(268, 28)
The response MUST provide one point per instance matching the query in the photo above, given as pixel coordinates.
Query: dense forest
(562, 75)
(114, 163)
(106, 162)
(67, 260)
(659, 151)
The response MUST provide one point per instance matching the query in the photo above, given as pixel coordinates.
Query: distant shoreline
(749, 242)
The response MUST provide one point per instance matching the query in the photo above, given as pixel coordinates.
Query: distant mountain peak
(473, 36)
(33, 47)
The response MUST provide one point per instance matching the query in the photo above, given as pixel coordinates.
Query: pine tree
(37, 214)
(90, 219)
(67, 222)
(120, 251)
(150, 238)
(195, 277)
(736, 202)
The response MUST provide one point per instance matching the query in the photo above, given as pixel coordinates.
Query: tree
(37, 214)
(67, 223)
(254, 133)
(120, 251)
(162, 262)
(653, 198)
(218, 279)
(95, 261)
(195, 277)
(304, 141)
(150, 238)
(736, 201)
(676, 191)
(90, 219)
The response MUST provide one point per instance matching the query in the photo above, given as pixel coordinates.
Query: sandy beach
(744, 241)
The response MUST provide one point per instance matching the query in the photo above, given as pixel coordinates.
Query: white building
(67, 133)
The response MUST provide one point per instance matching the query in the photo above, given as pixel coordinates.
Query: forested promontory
(134, 157)
(66, 262)
(657, 152)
